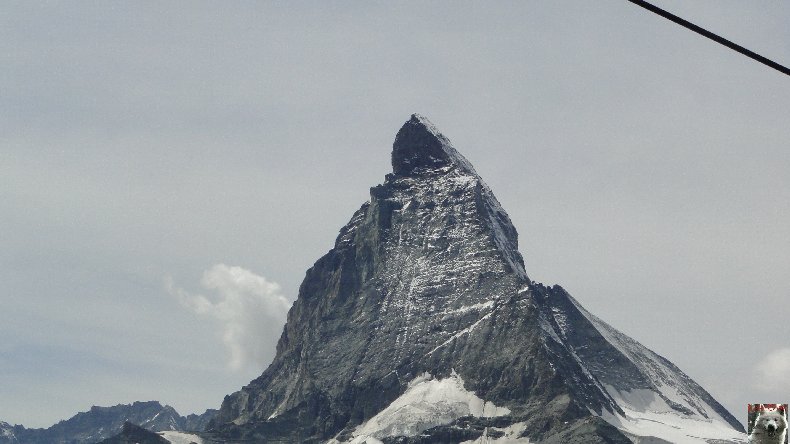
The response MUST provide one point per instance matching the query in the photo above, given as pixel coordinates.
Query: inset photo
(767, 423)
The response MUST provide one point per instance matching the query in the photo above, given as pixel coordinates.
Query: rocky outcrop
(8, 433)
(197, 423)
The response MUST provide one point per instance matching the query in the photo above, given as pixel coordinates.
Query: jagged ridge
(103, 422)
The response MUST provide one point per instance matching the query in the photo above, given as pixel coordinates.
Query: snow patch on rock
(427, 403)
(181, 438)
(511, 435)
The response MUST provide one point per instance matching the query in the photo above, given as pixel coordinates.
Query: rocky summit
(421, 325)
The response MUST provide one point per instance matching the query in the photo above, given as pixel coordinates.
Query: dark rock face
(132, 434)
(426, 278)
(589, 430)
(198, 423)
(420, 146)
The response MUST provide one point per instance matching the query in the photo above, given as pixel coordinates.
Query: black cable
(712, 36)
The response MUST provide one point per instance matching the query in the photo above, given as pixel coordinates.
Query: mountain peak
(420, 146)
(421, 325)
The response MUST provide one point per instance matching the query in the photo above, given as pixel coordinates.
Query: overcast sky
(169, 170)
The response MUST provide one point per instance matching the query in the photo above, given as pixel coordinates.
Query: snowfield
(646, 415)
(427, 403)
(181, 437)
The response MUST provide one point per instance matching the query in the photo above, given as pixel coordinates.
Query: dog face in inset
(770, 427)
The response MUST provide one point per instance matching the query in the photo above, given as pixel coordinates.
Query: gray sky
(162, 165)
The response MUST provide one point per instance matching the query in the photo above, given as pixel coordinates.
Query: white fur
(762, 424)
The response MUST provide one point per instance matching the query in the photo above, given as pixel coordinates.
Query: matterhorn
(421, 325)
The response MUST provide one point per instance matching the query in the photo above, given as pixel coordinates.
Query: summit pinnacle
(419, 145)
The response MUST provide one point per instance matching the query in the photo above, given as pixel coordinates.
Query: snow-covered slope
(645, 414)
(656, 398)
(181, 437)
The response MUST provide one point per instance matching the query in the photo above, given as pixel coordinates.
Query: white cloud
(773, 372)
(249, 310)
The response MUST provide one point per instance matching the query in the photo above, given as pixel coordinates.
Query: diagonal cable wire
(716, 38)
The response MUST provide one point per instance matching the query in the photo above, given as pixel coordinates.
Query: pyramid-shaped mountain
(422, 326)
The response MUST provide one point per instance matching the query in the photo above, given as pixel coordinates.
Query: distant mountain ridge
(100, 423)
